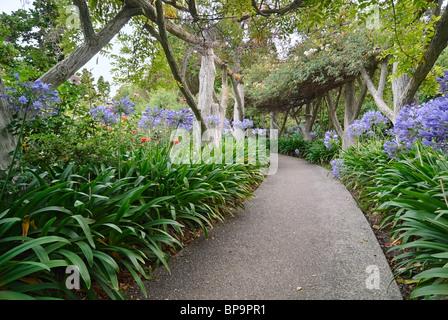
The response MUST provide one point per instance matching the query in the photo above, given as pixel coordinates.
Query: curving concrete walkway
(301, 238)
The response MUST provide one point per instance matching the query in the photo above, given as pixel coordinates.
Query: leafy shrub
(290, 145)
(318, 153)
(410, 191)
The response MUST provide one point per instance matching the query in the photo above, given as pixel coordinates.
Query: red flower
(184, 99)
(145, 139)
(124, 118)
(176, 142)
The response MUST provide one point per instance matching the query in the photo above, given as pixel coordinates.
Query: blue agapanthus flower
(243, 125)
(152, 117)
(331, 139)
(212, 121)
(433, 117)
(366, 124)
(33, 99)
(104, 115)
(259, 131)
(443, 83)
(122, 107)
(338, 167)
(182, 119)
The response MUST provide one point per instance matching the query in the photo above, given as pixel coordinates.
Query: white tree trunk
(399, 86)
(207, 75)
(350, 114)
(7, 140)
(238, 110)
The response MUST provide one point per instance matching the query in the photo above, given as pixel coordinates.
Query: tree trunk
(352, 107)
(438, 43)
(238, 89)
(377, 94)
(7, 141)
(162, 37)
(351, 112)
(399, 85)
(207, 75)
(238, 109)
(311, 110)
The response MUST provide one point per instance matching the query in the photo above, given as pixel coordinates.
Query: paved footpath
(301, 238)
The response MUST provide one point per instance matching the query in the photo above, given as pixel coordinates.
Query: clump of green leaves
(411, 194)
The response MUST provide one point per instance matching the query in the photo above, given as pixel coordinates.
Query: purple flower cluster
(122, 107)
(338, 167)
(331, 139)
(212, 121)
(408, 124)
(112, 113)
(33, 99)
(259, 131)
(427, 122)
(104, 115)
(182, 119)
(434, 121)
(153, 117)
(226, 126)
(366, 124)
(443, 83)
(393, 148)
(243, 125)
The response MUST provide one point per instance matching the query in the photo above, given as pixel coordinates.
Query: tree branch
(379, 101)
(86, 22)
(63, 70)
(332, 111)
(173, 65)
(438, 43)
(280, 11)
(383, 76)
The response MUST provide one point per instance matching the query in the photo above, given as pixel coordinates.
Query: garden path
(301, 238)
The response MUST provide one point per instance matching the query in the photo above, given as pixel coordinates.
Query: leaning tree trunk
(7, 141)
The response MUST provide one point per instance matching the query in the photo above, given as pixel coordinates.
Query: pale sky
(98, 65)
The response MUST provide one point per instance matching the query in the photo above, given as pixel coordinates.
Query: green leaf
(77, 261)
(10, 295)
(433, 289)
(432, 273)
(28, 245)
